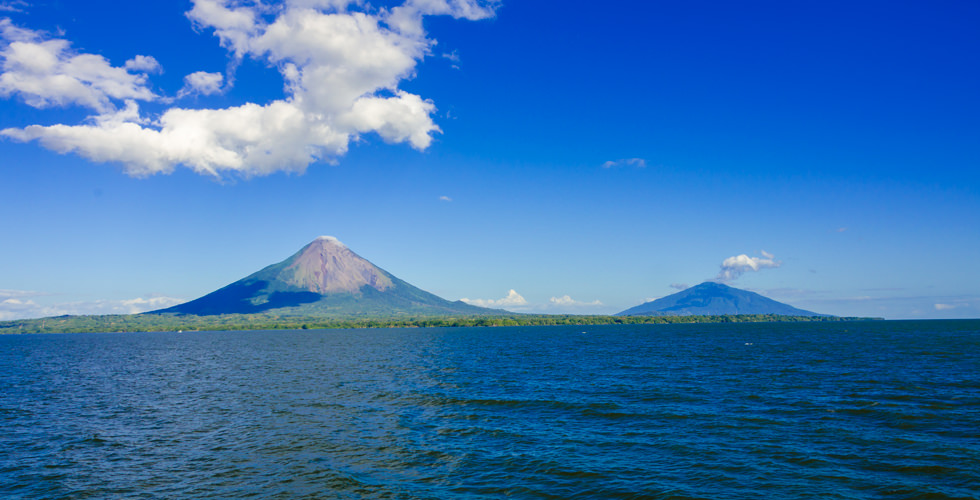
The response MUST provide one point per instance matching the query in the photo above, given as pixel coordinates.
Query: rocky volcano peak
(326, 265)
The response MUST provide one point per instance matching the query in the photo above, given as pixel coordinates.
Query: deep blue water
(813, 410)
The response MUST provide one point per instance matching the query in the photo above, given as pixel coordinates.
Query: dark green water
(813, 410)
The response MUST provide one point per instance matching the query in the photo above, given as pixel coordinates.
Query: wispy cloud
(567, 302)
(13, 6)
(628, 162)
(733, 267)
(453, 57)
(16, 294)
(556, 304)
(890, 303)
(341, 67)
(445, 198)
(680, 286)
(19, 304)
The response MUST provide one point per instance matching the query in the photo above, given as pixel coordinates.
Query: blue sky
(530, 155)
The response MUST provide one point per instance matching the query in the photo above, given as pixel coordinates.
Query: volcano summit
(325, 278)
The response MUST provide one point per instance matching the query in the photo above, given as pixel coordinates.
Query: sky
(535, 156)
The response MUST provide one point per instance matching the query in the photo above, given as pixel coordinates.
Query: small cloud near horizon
(513, 299)
(516, 302)
(567, 301)
(20, 304)
(7, 294)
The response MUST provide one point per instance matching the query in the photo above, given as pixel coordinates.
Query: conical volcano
(325, 278)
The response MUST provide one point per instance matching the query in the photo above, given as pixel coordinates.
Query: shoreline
(146, 322)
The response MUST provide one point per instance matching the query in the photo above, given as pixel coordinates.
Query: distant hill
(326, 279)
(710, 298)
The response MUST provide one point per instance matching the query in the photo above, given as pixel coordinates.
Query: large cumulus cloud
(341, 66)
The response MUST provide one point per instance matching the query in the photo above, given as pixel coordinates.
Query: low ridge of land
(222, 322)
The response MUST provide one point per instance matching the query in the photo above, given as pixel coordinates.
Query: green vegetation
(268, 321)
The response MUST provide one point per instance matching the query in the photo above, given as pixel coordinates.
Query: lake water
(774, 410)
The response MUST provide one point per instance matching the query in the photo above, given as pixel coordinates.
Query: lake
(879, 409)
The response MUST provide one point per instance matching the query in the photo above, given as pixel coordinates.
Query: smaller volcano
(325, 278)
(714, 299)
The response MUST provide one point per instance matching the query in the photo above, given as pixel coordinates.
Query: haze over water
(773, 410)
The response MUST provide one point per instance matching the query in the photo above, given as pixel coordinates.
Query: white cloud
(680, 286)
(145, 64)
(324, 4)
(16, 304)
(403, 118)
(407, 18)
(513, 299)
(565, 301)
(11, 309)
(555, 305)
(945, 307)
(628, 162)
(203, 83)
(234, 26)
(341, 70)
(251, 139)
(331, 239)
(48, 73)
(445, 198)
(11, 33)
(733, 267)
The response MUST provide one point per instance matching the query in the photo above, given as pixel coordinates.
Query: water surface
(775, 410)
